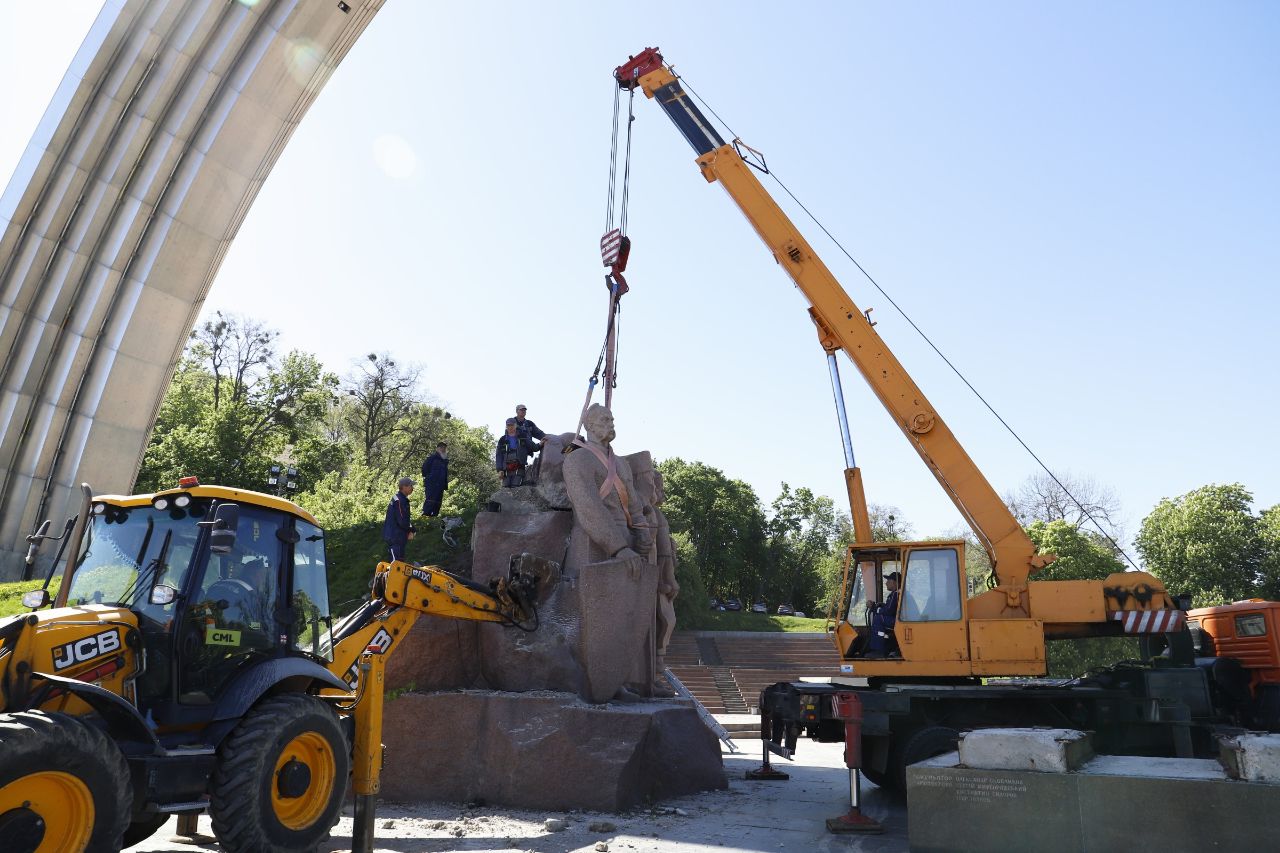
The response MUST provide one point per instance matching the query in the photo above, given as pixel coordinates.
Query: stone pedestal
(545, 750)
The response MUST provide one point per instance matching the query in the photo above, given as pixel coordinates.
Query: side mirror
(35, 599)
(162, 594)
(226, 520)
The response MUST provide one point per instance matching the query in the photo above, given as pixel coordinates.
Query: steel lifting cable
(613, 162)
(927, 339)
(614, 247)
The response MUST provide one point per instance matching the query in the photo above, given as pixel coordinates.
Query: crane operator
(883, 643)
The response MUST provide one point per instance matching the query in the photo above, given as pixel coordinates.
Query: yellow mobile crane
(940, 632)
(929, 684)
(190, 663)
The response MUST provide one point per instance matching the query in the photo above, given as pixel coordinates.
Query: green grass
(11, 595)
(716, 620)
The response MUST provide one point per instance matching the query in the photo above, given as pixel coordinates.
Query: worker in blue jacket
(527, 428)
(398, 527)
(511, 455)
(435, 479)
(884, 616)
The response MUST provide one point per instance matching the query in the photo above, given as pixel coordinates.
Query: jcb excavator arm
(842, 324)
(402, 593)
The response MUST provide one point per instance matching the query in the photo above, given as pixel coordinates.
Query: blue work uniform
(435, 479)
(882, 640)
(397, 526)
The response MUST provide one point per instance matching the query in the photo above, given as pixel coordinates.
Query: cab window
(932, 590)
(230, 617)
(1251, 625)
(310, 595)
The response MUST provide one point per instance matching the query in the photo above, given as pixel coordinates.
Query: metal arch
(163, 130)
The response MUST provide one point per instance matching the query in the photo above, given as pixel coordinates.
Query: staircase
(726, 671)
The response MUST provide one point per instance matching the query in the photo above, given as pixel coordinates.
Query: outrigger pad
(854, 822)
(766, 773)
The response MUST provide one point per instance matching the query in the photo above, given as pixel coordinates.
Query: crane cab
(929, 624)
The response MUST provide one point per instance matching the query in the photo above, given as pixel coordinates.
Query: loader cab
(219, 580)
(929, 614)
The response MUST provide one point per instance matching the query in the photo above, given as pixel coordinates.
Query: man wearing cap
(398, 529)
(511, 456)
(882, 641)
(526, 428)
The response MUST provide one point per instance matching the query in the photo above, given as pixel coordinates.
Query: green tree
(1082, 555)
(234, 408)
(1269, 533)
(724, 522)
(802, 530)
(1207, 543)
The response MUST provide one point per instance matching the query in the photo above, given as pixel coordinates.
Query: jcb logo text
(79, 651)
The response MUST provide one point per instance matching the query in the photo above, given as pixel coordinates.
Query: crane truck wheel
(917, 746)
(281, 777)
(64, 786)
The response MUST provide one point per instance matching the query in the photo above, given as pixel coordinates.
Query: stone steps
(726, 671)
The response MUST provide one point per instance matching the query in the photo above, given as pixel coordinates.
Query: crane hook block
(615, 248)
(629, 73)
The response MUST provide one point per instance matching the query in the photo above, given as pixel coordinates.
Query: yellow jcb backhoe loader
(190, 663)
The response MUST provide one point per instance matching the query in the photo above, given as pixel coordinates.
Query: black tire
(140, 830)
(875, 777)
(249, 800)
(917, 746)
(38, 751)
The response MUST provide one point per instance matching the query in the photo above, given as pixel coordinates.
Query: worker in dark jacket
(528, 429)
(435, 479)
(882, 641)
(511, 456)
(398, 529)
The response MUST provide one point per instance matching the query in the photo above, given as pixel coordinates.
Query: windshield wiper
(152, 568)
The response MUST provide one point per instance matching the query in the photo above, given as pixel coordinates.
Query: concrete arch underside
(119, 214)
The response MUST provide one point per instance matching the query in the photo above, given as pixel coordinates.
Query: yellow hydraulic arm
(402, 593)
(842, 325)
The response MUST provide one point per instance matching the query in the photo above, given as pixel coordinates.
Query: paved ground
(750, 816)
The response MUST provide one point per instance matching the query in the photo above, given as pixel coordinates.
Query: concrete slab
(1038, 749)
(1253, 757)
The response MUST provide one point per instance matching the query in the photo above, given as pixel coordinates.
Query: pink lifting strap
(612, 480)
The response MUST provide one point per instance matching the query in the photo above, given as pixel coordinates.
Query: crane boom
(843, 325)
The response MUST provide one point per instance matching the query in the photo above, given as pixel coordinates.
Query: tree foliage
(1209, 543)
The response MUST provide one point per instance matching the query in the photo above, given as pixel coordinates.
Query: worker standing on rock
(397, 528)
(511, 456)
(528, 429)
(435, 479)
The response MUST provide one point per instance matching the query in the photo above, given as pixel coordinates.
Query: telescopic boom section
(1012, 553)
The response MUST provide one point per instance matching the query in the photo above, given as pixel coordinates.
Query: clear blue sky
(1080, 203)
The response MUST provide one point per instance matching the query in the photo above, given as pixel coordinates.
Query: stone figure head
(659, 491)
(599, 424)
(642, 470)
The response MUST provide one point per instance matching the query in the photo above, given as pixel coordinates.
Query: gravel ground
(749, 816)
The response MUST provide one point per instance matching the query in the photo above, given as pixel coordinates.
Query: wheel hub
(23, 829)
(293, 779)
